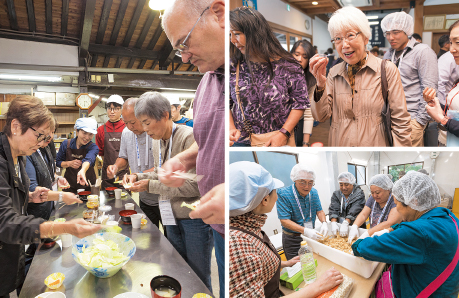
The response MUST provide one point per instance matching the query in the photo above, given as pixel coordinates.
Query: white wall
(276, 11)
(446, 166)
(439, 2)
(321, 36)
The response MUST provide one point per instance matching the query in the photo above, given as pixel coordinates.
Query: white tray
(357, 265)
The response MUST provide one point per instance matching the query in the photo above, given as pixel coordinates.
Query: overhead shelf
(65, 109)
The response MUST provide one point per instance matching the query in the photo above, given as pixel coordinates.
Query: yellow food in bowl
(55, 280)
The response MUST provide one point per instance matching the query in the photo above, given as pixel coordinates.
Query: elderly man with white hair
(352, 93)
(418, 68)
(346, 203)
(297, 207)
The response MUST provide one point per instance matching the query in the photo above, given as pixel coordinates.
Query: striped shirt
(287, 207)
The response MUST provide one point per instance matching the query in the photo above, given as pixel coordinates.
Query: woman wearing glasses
(267, 85)
(28, 123)
(352, 93)
(108, 138)
(78, 156)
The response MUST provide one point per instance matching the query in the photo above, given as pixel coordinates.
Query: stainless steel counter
(154, 256)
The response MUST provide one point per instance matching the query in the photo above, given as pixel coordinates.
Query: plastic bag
(341, 291)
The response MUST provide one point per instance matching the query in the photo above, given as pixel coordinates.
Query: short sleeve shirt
(376, 210)
(287, 207)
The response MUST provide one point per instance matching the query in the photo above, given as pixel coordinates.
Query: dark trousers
(291, 245)
(299, 133)
(152, 212)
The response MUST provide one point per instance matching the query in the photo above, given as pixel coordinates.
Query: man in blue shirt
(297, 208)
(175, 113)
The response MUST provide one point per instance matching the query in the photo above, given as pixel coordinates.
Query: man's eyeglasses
(393, 32)
(117, 109)
(41, 137)
(349, 37)
(183, 48)
(304, 183)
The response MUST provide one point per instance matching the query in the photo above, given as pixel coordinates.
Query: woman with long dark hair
(302, 51)
(267, 86)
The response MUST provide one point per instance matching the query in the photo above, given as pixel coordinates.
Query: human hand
(353, 233)
(211, 208)
(344, 230)
(129, 179)
(81, 178)
(277, 140)
(312, 234)
(434, 110)
(330, 279)
(234, 135)
(63, 183)
(318, 68)
(111, 171)
(70, 198)
(291, 262)
(140, 186)
(76, 163)
(379, 233)
(167, 177)
(324, 229)
(334, 228)
(40, 195)
(80, 228)
(363, 236)
(429, 94)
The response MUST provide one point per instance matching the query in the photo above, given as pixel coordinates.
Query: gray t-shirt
(128, 150)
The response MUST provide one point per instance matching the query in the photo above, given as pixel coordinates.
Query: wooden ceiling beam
(94, 60)
(31, 16)
(441, 9)
(154, 39)
(376, 3)
(89, 10)
(119, 60)
(56, 40)
(12, 15)
(154, 64)
(146, 27)
(49, 16)
(142, 64)
(118, 22)
(190, 68)
(122, 51)
(106, 60)
(103, 21)
(166, 55)
(131, 62)
(397, 5)
(133, 23)
(65, 17)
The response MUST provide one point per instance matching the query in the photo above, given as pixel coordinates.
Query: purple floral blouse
(267, 106)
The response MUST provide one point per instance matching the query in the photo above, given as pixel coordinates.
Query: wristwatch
(61, 194)
(285, 132)
(444, 120)
(307, 143)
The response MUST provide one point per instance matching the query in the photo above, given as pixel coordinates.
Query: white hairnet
(382, 181)
(302, 171)
(346, 177)
(417, 190)
(398, 21)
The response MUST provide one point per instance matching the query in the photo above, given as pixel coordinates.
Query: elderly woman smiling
(352, 91)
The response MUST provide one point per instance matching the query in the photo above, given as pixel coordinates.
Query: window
(395, 170)
(359, 172)
(282, 39)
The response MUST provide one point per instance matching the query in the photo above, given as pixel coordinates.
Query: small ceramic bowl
(126, 215)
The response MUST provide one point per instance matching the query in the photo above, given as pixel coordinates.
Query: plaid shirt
(287, 207)
(252, 263)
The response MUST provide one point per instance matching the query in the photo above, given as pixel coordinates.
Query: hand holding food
(334, 228)
(192, 206)
(70, 198)
(128, 180)
(324, 228)
(111, 171)
(311, 233)
(81, 178)
(167, 176)
(318, 68)
(434, 110)
(140, 186)
(344, 230)
(80, 228)
(211, 208)
(429, 95)
(63, 183)
(353, 233)
(40, 195)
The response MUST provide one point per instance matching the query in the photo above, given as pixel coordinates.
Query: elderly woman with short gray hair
(352, 94)
(192, 238)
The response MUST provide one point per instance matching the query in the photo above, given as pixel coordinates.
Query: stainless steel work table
(154, 256)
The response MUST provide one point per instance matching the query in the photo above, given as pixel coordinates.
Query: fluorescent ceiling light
(30, 78)
(315, 3)
(160, 4)
(372, 17)
(373, 23)
(94, 96)
(177, 89)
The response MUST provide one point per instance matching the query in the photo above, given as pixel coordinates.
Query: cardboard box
(65, 99)
(48, 98)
